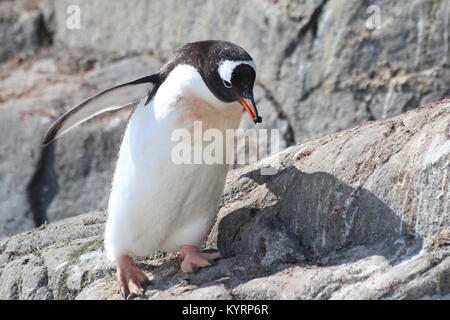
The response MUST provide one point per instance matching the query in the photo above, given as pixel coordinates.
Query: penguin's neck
(184, 98)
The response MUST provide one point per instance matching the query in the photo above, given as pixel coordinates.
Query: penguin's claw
(211, 255)
(194, 260)
(131, 279)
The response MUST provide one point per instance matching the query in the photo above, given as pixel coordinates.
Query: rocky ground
(361, 214)
(320, 70)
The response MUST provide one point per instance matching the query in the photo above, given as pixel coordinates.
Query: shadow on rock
(309, 220)
(314, 219)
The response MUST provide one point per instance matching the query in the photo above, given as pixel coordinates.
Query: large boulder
(320, 70)
(322, 64)
(358, 214)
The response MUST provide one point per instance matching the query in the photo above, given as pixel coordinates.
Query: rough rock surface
(22, 28)
(362, 214)
(320, 70)
(313, 56)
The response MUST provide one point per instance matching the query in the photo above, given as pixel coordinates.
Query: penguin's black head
(236, 84)
(233, 77)
(227, 70)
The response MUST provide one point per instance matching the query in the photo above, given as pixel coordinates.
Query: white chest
(153, 200)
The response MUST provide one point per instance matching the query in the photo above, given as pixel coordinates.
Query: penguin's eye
(227, 84)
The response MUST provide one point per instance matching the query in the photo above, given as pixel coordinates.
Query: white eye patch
(226, 68)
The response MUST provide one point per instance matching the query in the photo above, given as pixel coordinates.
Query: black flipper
(111, 99)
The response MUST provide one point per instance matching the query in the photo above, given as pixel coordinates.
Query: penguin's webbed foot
(131, 279)
(193, 259)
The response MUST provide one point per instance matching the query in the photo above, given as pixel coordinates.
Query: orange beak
(250, 107)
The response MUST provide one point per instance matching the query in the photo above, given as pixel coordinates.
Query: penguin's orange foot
(193, 259)
(131, 278)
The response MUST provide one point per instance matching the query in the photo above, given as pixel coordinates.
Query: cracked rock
(354, 215)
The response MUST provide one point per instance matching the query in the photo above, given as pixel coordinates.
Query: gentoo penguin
(156, 204)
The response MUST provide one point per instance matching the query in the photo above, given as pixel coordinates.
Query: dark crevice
(310, 91)
(43, 187)
(359, 95)
(289, 135)
(312, 24)
(46, 28)
(44, 34)
(371, 115)
(411, 103)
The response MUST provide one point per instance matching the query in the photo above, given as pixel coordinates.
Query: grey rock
(324, 69)
(22, 28)
(30, 283)
(320, 70)
(18, 147)
(361, 214)
(348, 174)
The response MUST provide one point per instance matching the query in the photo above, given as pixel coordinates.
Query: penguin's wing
(111, 99)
